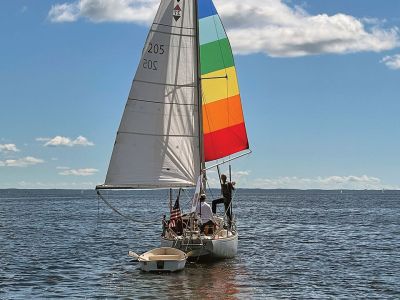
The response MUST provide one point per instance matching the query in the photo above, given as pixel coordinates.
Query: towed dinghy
(161, 259)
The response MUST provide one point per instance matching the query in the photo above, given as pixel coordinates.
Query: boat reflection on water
(223, 279)
(207, 281)
(220, 280)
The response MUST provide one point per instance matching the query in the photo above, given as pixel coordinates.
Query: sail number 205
(156, 48)
(153, 49)
(150, 64)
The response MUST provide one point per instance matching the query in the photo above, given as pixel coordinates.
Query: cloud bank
(137, 11)
(61, 141)
(245, 180)
(77, 172)
(392, 62)
(330, 182)
(21, 162)
(8, 148)
(269, 26)
(49, 185)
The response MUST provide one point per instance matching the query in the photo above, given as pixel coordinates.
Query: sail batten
(162, 103)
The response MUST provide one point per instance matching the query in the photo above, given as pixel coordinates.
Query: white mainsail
(157, 144)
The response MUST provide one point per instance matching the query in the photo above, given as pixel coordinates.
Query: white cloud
(61, 141)
(49, 185)
(8, 148)
(42, 139)
(392, 62)
(62, 168)
(239, 177)
(82, 141)
(331, 182)
(139, 11)
(79, 172)
(271, 26)
(282, 31)
(21, 162)
(64, 12)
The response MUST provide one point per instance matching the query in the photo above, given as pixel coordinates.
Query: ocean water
(292, 245)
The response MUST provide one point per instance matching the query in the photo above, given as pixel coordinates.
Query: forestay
(157, 144)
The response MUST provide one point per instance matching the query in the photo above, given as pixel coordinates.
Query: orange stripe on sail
(222, 114)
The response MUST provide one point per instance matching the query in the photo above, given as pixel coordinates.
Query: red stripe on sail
(225, 142)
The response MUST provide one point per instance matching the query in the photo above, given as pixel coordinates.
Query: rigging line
(187, 195)
(207, 117)
(170, 33)
(230, 204)
(223, 61)
(216, 77)
(172, 26)
(121, 214)
(219, 42)
(165, 84)
(160, 135)
(209, 189)
(230, 159)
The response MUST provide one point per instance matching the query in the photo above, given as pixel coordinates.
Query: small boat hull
(163, 259)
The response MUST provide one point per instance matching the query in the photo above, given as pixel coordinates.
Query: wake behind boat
(183, 111)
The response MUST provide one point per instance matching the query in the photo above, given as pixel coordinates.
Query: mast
(199, 93)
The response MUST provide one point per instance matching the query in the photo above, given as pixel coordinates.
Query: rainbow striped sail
(223, 122)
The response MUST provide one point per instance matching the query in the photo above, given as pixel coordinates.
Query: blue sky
(319, 82)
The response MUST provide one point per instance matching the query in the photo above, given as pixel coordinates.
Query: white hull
(162, 259)
(222, 245)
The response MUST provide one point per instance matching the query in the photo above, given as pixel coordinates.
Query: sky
(319, 82)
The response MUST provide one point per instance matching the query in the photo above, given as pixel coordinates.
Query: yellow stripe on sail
(219, 85)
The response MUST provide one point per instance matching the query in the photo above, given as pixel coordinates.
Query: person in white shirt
(203, 209)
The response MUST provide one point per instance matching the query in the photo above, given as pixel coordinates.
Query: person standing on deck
(226, 191)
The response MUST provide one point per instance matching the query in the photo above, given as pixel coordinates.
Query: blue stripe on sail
(211, 30)
(206, 9)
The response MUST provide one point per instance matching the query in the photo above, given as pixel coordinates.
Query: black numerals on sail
(157, 49)
(150, 64)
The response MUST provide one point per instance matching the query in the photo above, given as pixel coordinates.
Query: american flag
(175, 214)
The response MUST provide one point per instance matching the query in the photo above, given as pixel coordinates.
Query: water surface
(292, 245)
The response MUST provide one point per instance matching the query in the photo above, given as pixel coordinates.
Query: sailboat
(183, 117)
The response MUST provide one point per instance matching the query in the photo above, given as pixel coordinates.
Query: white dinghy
(161, 259)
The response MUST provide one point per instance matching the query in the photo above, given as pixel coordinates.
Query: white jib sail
(157, 144)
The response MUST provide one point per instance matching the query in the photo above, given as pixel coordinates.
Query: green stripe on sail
(216, 56)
